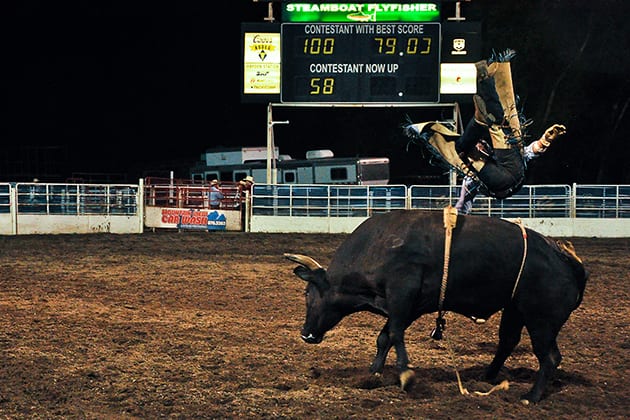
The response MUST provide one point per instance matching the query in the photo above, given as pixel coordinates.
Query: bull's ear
(303, 273)
(317, 277)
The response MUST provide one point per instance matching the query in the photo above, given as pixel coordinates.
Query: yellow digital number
(319, 86)
(386, 45)
(413, 46)
(427, 50)
(316, 46)
(329, 86)
(315, 88)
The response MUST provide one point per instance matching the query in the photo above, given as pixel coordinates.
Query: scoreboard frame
(384, 62)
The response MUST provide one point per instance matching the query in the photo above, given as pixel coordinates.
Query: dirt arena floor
(206, 325)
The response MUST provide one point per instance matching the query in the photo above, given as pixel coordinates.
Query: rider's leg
(471, 135)
(487, 102)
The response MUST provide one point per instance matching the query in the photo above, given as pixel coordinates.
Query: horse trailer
(319, 167)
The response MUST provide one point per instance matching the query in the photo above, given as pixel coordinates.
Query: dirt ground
(206, 325)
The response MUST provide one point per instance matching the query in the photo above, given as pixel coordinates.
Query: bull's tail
(567, 251)
(567, 247)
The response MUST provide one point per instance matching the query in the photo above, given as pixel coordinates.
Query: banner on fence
(192, 219)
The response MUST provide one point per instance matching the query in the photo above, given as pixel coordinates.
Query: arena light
(458, 78)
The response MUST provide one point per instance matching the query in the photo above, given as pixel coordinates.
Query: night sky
(116, 89)
(131, 88)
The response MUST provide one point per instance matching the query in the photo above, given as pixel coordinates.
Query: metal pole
(269, 142)
(272, 170)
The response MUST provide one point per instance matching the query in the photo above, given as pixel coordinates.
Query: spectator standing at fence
(244, 186)
(215, 195)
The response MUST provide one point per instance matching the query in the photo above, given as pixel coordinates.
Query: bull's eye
(306, 293)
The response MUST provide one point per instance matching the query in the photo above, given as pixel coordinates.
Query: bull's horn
(304, 260)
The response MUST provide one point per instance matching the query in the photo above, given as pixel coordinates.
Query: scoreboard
(355, 53)
(360, 62)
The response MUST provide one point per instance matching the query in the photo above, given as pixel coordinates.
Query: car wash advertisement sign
(192, 219)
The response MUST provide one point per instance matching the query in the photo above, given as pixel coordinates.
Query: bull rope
(450, 221)
(519, 222)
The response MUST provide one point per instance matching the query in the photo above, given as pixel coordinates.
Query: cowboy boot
(505, 91)
(481, 112)
(482, 70)
(485, 70)
(487, 101)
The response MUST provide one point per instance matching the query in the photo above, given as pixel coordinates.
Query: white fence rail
(556, 210)
(40, 208)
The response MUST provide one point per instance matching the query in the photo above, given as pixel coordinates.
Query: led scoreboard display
(360, 62)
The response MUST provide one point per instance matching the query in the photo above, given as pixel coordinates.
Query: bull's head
(321, 315)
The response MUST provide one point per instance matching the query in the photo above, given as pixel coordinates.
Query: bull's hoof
(372, 382)
(406, 379)
(375, 369)
(529, 398)
(491, 374)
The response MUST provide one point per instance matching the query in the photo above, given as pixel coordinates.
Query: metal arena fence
(42, 208)
(120, 208)
(71, 199)
(594, 201)
(532, 201)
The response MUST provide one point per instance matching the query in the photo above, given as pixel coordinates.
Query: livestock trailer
(319, 167)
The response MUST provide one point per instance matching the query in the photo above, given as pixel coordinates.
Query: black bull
(393, 265)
